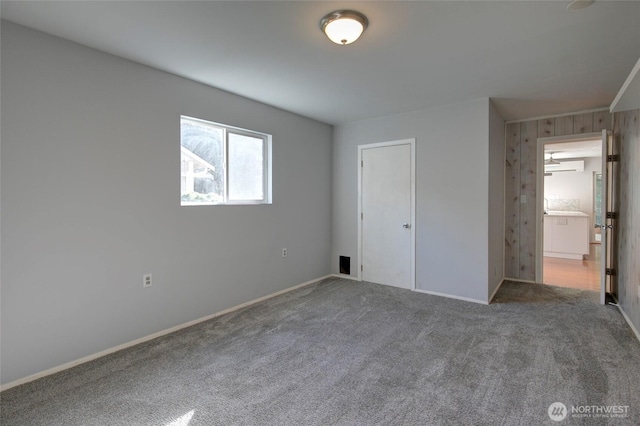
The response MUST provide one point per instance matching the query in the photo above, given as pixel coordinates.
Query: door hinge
(361, 216)
(610, 271)
(361, 163)
(612, 215)
(613, 158)
(361, 268)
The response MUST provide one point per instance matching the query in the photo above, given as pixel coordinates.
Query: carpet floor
(354, 353)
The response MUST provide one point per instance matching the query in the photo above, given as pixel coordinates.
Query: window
(223, 164)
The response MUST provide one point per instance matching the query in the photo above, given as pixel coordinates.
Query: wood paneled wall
(520, 183)
(626, 130)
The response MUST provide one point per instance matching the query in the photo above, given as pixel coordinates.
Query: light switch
(523, 199)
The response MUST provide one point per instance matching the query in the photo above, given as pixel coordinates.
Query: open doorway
(571, 185)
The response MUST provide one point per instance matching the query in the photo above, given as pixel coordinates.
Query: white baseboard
(100, 354)
(571, 256)
(496, 290)
(521, 281)
(346, 277)
(633, 327)
(451, 296)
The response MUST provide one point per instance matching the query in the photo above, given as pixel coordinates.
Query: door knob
(406, 225)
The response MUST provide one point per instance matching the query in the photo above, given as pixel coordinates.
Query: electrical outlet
(284, 252)
(146, 280)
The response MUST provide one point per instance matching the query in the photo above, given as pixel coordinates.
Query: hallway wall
(520, 179)
(626, 128)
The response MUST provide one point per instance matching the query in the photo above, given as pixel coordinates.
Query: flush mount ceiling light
(344, 26)
(579, 4)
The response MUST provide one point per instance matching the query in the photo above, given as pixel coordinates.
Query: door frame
(412, 144)
(609, 204)
(541, 142)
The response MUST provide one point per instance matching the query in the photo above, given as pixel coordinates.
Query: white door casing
(540, 203)
(386, 213)
(604, 245)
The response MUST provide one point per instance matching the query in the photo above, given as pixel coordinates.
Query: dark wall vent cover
(345, 265)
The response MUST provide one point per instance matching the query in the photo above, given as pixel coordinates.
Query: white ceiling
(533, 57)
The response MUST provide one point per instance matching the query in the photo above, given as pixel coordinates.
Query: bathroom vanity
(566, 234)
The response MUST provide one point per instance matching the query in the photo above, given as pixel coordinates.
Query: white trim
(572, 138)
(152, 336)
(346, 277)
(451, 296)
(607, 196)
(541, 142)
(412, 144)
(538, 274)
(633, 78)
(518, 280)
(559, 255)
(633, 327)
(496, 290)
(504, 207)
(566, 114)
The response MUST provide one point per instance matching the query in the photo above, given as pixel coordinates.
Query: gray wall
(627, 138)
(496, 198)
(90, 196)
(452, 148)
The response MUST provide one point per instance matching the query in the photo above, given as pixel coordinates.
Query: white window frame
(266, 166)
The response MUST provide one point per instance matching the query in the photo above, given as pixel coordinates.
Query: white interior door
(387, 213)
